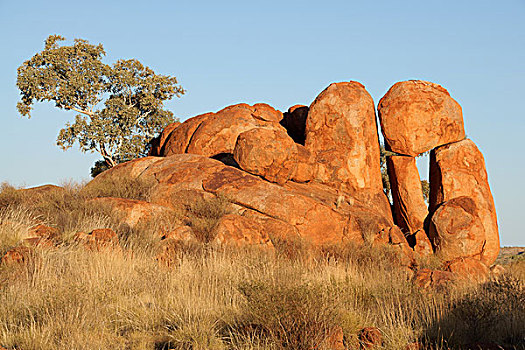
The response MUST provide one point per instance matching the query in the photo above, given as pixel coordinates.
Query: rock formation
(417, 117)
(314, 174)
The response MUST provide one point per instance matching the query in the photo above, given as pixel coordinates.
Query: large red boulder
(309, 210)
(456, 229)
(417, 116)
(341, 133)
(457, 170)
(410, 209)
(213, 134)
(269, 153)
(315, 222)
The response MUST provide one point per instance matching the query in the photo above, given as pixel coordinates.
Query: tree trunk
(110, 162)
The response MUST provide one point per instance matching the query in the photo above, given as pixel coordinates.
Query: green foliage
(98, 168)
(120, 107)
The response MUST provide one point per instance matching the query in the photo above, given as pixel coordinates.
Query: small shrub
(125, 187)
(491, 312)
(295, 315)
(10, 195)
(202, 215)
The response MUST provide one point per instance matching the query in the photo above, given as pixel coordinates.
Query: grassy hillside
(68, 297)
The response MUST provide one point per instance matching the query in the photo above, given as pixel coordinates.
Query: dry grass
(225, 298)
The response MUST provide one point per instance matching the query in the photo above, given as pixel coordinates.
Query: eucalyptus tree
(119, 107)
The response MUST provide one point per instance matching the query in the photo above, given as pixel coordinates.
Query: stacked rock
(417, 117)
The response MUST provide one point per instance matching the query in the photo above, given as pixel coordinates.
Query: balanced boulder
(417, 116)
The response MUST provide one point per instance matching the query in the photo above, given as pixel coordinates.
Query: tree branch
(88, 113)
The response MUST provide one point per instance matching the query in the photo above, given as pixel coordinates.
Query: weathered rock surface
(308, 210)
(238, 230)
(436, 279)
(393, 236)
(370, 338)
(212, 134)
(305, 169)
(468, 268)
(417, 116)
(17, 255)
(99, 240)
(457, 170)
(314, 175)
(420, 243)
(409, 207)
(132, 211)
(456, 229)
(270, 153)
(341, 134)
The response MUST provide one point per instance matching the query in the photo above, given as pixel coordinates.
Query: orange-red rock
(334, 340)
(420, 242)
(417, 116)
(43, 231)
(294, 121)
(341, 133)
(456, 170)
(179, 138)
(157, 144)
(213, 134)
(132, 211)
(266, 112)
(305, 169)
(437, 279)
(313, 221)
(17, 255)
(238, 230)
(99, 239)
(456, 229)
(394, 237)
(370, 338)
(310, 211)
(269, 153)
(409, 207)
(182, 233)
(468, 268)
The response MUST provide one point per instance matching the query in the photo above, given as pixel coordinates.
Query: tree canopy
(119, 107)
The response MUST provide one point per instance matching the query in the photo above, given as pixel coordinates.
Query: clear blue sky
(283, 53)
